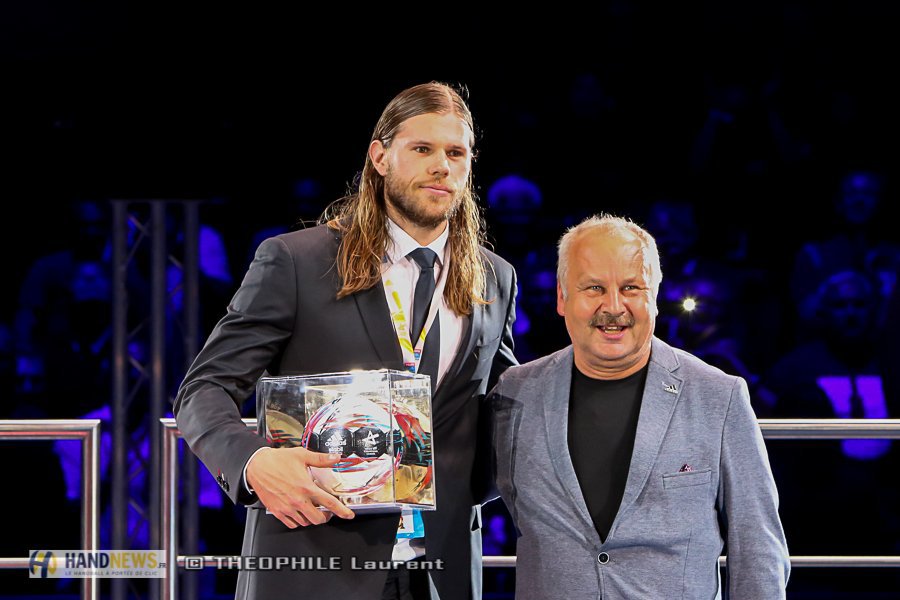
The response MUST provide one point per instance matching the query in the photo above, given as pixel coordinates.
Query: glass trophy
(378, 421)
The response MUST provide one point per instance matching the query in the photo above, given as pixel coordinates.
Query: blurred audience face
(860, 194)
(91, 282)
(848, 308)
(608, 303)
(93, 227)
(674, 227)
(514, 200)
(30, 375)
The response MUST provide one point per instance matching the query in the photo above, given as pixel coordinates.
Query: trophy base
(386, 507)
(379, 508)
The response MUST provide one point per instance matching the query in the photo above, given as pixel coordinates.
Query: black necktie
(428, 364)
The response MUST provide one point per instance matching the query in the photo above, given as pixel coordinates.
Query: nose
(613, 304)
(441, 166)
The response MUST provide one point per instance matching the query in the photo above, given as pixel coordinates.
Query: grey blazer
(699, 481)
(285, 319)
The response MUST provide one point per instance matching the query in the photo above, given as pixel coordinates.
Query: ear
(378, 156)
(560, 301)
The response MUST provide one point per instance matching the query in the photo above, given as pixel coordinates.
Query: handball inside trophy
(378, 421)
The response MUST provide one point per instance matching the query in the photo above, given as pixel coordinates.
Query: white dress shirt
(404, 273)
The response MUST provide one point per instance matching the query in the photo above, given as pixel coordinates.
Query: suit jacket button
(603, 558)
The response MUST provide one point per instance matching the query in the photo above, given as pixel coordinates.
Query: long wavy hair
(361, 218)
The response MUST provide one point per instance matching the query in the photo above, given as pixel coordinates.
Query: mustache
(608, 320)
(439, 181)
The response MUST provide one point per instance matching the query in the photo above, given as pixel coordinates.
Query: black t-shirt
(603, 417)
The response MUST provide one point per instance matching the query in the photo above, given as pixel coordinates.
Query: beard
(419, 212)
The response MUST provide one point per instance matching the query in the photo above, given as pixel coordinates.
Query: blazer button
(603, 558)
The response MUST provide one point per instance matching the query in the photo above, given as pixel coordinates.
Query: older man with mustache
(628, 465)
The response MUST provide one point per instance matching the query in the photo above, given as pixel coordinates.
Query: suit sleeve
(502, 430)
(758, 558)
(505, 358)
(243, 344)
(484, 481)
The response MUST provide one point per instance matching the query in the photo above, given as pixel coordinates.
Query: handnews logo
(40, 563)
(107, 564)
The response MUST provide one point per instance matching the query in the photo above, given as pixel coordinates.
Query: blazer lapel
(661, 393)
(556, 419)
(473, 328)
(467, 344)
(376, 319)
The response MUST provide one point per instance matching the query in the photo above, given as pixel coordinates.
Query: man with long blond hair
(402, 251)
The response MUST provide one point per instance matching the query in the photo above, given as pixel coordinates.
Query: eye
(420, 149)
(456, 153)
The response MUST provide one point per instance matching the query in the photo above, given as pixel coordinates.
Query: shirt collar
(402, 243)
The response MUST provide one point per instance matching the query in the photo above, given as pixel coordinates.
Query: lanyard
(412, 355)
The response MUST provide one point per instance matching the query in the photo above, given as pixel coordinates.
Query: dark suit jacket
(285, 319)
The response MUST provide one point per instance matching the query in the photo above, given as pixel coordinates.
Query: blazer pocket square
(686, 478)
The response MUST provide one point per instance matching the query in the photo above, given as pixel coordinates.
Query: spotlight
(689, 304)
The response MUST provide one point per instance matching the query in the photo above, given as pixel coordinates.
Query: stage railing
(773, 429)
(88, 432)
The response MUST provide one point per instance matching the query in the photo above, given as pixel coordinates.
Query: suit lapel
(376, 318)
(473, 327)
(556, 419)
(467, 344)
(661, 393)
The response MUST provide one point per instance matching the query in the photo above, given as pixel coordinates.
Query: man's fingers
(301, 519)
(325, 487)
(294, 520)
(320, 459)
(329, 502)
(285, 486)
(311, 512)
(303, 514)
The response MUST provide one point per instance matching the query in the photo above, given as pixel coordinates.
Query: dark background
(265, 117)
